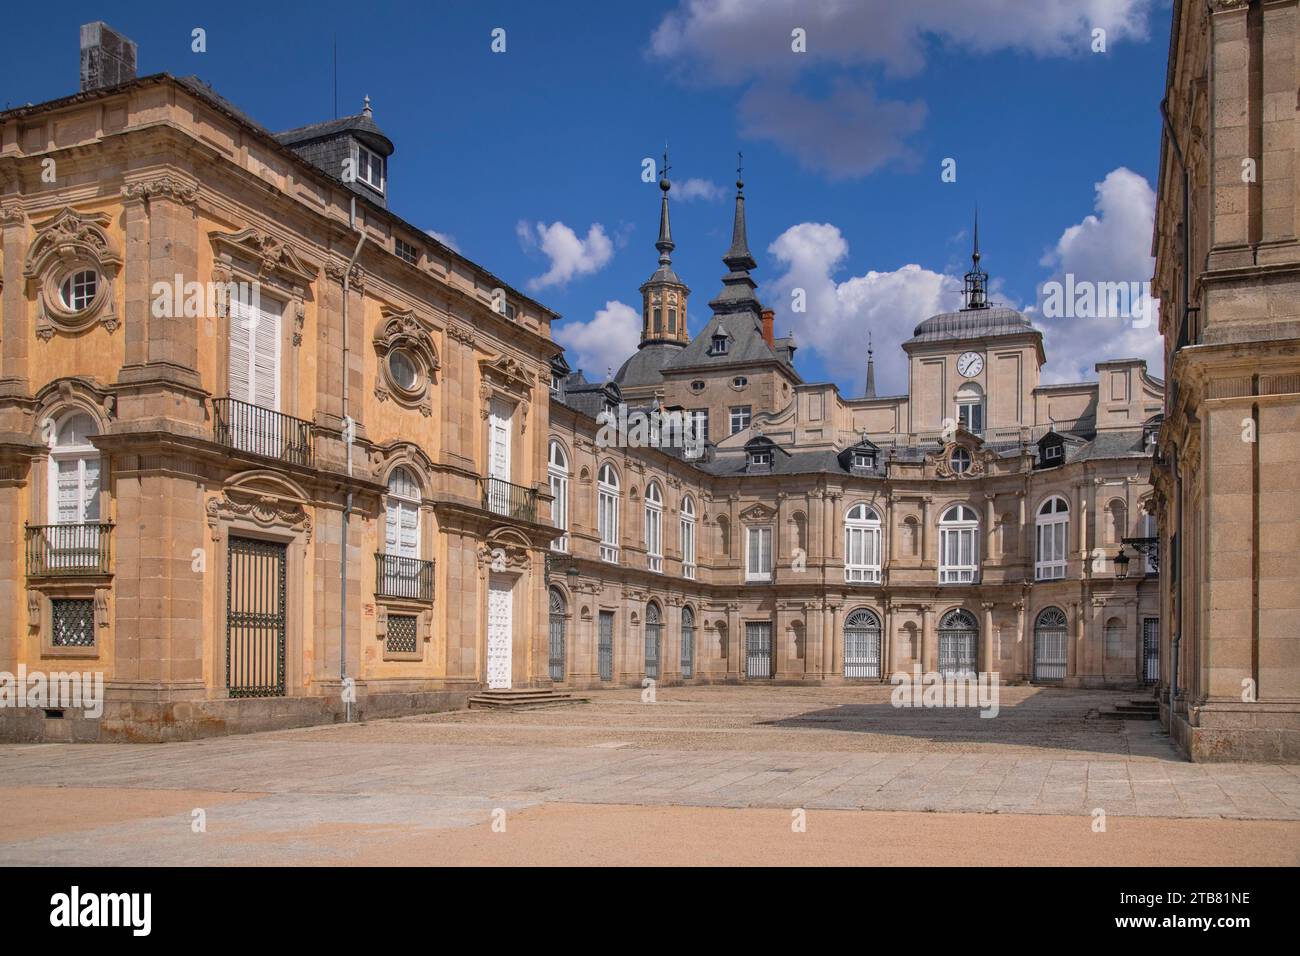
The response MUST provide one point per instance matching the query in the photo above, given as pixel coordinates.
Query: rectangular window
(758, 556)
(971, 416)
(73, 621)
(700, 422)
(407, 252)
(401, 637)
(864, 460)
(740, 418)
(607, 514)
(862, 555)
(370, 167)
(560, 510)
(654, 539)
(957, 553)
(1051, 550)
(1052, 452)
(688, 548)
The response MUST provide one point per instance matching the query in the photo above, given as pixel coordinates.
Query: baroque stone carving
(68, 244)
(402, 331)
(268, 511)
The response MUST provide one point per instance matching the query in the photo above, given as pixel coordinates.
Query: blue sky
(843, 144)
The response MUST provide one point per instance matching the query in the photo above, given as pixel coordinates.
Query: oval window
(402, 368)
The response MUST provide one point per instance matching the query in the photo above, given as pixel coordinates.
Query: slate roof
(360, 125)
(645, 365)
(971, 324)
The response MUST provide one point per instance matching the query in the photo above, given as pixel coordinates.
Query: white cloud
(603, 343)
(839, 314)
(569, 255)
(743, 42)
(446, 239)
(696, 188)
(1112, 246)
(732, 41)
(848, 134)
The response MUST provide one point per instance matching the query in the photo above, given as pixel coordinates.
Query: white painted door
(500, 641)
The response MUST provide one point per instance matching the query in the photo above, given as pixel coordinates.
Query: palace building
(1228, 276)
(272, 455)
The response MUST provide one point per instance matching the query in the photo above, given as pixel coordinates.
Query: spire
(977, 281)
(665, 244)
(737, 286)
(871, 370)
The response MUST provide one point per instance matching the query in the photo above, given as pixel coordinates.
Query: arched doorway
(862, 644)
(958, 644)
(1050, 648)
(653, 640)
(557, 648)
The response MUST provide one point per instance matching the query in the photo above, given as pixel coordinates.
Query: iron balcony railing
(68, 550)
(262, 431)
(407, 578)
(513, 501)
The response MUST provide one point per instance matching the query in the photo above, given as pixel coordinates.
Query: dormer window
(369, 167)
(864, 460)
(719, 344)
(557, 380)
(1052, 453)
(761, 458)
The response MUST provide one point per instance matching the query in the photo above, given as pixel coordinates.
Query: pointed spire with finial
(738, 288)
(871, 369)
(366, 109)
(977, 281)
(665, 243)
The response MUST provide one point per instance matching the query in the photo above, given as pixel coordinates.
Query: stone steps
(523, 699)
(1134, 710)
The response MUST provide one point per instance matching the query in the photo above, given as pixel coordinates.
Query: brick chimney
(107, 57)
(769, 317)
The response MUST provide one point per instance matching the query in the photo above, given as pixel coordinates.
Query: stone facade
(1228, 276)
(340, 497)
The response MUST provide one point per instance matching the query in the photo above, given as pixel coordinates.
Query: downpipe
(349, 434)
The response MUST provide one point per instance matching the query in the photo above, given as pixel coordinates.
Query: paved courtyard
(696, 776)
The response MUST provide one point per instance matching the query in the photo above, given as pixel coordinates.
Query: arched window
(607, 512)
(959, 551)
(958, 644)
(654, 527)
(559, 620)
(970, 408)
(403, 570)
(688, 537)
(688, 643)
(862, 545)
(1053, 524)
(862, 644)
(653, 640)
(74, 472)
(73, 498)
(558, 469)
(1050, 644)
(1114, 637)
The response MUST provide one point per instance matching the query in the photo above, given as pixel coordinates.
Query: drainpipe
(348, 435)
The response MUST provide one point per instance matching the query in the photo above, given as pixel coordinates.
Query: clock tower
(977, 366)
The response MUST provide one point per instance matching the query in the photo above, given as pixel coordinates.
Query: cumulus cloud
(742, 43)
(603, 343)
(840, 313)
(729, 41)
(696, 188)
(848, 134)
(446, 239)
(569, 255)
(1111, 246)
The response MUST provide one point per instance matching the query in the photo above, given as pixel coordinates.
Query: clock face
(970, 363)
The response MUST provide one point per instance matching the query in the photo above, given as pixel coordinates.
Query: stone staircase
(1145, 709)
(523, 699)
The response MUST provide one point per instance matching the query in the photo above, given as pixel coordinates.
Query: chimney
(769, 316)
(107, 57)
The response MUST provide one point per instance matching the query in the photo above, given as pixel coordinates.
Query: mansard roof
(645, 365)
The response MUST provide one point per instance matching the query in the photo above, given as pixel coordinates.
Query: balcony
(408, 579)
(261, 431)
(68, 550)
(513, 501)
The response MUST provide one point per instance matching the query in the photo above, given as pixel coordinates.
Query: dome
(972, 324)
(646, 365)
